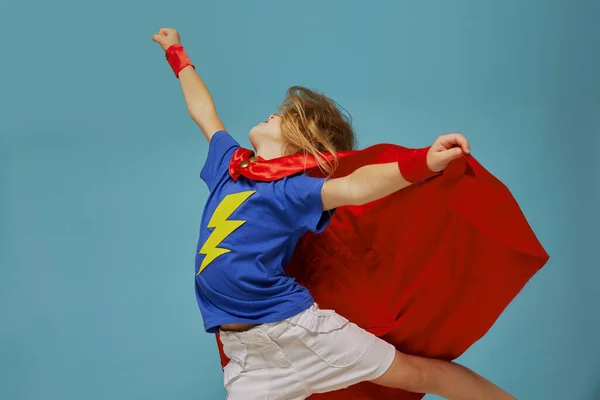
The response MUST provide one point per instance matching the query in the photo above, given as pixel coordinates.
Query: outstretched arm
(366, 184)
(198, 100)
(374, 182)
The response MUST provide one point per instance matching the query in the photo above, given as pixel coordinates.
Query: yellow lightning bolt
(222, 227)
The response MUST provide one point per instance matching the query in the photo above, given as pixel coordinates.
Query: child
(281, 345)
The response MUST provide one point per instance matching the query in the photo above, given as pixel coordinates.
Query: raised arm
(374, 182)
(198, 100)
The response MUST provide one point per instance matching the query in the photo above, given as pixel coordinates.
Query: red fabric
(177, 58)
(414, 166)
(259, 169)
(429, 268)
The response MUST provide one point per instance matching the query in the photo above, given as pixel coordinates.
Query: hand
(166, 37)
(445, 149)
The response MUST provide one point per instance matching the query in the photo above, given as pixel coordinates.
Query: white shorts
(316, 351)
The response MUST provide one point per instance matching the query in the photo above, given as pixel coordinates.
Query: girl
(281, 345)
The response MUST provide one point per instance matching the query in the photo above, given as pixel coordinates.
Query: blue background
(100, 198)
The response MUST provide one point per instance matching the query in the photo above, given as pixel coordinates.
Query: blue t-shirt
(248, 233)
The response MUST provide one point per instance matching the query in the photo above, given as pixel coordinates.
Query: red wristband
(413, 166)
(177, 58)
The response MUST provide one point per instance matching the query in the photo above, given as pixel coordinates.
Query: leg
(258, 369)
(442, 378)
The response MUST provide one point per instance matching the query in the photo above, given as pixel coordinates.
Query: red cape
(429, 268)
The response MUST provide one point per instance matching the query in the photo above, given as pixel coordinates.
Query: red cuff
(413, 166)
(177, 58)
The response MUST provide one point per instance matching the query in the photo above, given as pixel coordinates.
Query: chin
(265, 135)
(254, 135)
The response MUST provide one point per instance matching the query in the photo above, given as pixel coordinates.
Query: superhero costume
(429, 268)
(248, 234)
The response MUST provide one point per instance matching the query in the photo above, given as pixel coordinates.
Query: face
(268, 131)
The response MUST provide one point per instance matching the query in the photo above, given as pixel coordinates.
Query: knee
(426, 375)
(416, 376)
(413, 374)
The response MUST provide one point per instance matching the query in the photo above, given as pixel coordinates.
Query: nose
(271, 117)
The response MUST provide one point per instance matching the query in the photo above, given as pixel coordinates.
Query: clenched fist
(446, 149)
(166, 37)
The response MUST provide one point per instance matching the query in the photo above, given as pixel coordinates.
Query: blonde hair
(312, 123)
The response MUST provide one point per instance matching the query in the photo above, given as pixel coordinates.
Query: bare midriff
(237, 327)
